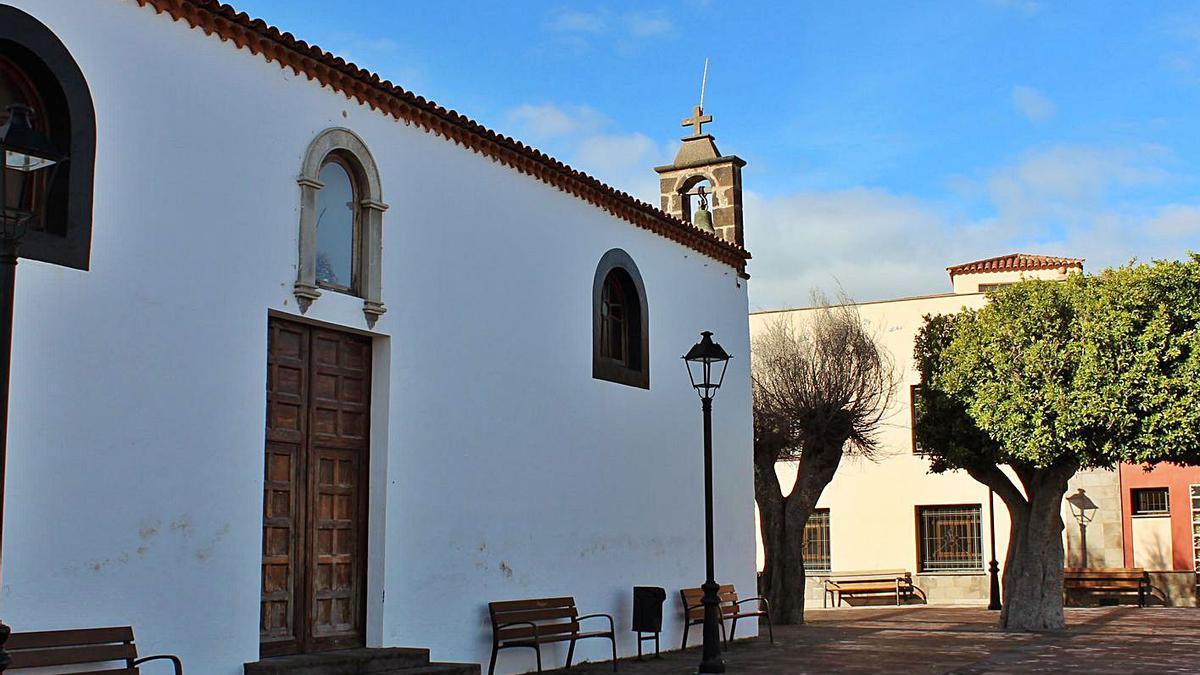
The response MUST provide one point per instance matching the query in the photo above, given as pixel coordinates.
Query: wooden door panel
(339, 450)
(314, 497)
(336, 559)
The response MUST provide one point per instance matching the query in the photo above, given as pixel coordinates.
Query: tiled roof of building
(255, 35)
(1015, 262)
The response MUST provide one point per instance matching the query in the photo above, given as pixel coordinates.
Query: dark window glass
(614, 326)
(950, 538)
(1151, 502)
(816, 542)
(337, 209)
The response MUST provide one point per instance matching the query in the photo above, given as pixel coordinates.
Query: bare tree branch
(822, 387)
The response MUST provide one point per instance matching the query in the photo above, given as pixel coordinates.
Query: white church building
(304, 362)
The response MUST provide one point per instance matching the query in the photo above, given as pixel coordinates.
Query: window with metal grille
(816, 542)
(950, 538)
(1150, 502)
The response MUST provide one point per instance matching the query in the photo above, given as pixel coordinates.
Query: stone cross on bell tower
(697, 161)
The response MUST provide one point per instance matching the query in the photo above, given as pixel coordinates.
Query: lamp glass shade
(26, 156)
(706, 362)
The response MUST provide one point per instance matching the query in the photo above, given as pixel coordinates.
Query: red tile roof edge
(264, 40)
(1014, 262)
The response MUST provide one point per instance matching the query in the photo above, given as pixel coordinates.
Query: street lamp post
(1084, 509)
(993, 566)
(27, 164)
(706, 362)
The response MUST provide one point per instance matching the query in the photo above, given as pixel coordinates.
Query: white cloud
(569, 21)
(649, 25)
(1061, 200)
(1032, 104)
(625, 32)
(551, 121)
(583, 137)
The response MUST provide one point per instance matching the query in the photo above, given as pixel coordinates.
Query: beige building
(891, 512)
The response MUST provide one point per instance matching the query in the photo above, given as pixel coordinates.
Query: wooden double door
(315, 489)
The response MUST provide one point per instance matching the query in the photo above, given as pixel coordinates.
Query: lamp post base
(711, 661)
(994, 595)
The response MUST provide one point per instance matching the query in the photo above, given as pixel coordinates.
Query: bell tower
(699, 162)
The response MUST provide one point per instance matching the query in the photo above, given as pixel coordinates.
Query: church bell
(703, 218)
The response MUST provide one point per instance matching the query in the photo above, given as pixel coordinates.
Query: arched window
(620, 330)
(37, 71)
(341, 222)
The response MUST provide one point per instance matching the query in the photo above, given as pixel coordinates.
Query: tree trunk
(1033, 567)
(782, 522)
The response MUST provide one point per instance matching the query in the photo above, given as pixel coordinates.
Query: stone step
(368, 661)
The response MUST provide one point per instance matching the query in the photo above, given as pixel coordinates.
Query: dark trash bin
(647, 614)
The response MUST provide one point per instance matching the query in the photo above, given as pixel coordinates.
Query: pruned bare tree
(822, 387)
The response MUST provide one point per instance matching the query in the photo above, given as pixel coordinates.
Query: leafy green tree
(1052, 377)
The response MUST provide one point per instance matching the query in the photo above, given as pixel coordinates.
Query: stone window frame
(345, 147)
(604, 368)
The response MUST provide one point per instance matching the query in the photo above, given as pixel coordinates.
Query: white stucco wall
(500, 468)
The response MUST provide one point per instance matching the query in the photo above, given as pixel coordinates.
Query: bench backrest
(869, 575)
(553, 616)
(692, 600)
(78, 647)
(1104, 574)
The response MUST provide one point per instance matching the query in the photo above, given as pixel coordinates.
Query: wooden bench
(85, 650)
(1108, 580)
(868, 582)
(533, 623)
(693, 610)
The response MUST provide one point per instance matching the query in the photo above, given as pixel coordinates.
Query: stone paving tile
(959, 640)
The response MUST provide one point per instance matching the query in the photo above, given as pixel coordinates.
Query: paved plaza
(953, 640)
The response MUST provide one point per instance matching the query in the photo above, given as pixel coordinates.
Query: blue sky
(884, 140)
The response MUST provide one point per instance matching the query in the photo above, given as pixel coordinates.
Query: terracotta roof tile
(1014, 262)
(270, 43)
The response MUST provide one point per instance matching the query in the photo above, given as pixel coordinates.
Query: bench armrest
(762, 603)
(171, 657)
(611, 626)
(496, 629)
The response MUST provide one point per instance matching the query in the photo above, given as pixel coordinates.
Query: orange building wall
(1176, 479)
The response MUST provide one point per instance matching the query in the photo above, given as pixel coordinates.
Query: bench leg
(686, 625)
(613, 639)
(538, 649)
(639, 641)
(492, 667)
(571, 652)
(732, 631)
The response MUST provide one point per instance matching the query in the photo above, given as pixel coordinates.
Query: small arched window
(341, 222)
(620, 339)
(37, 71)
